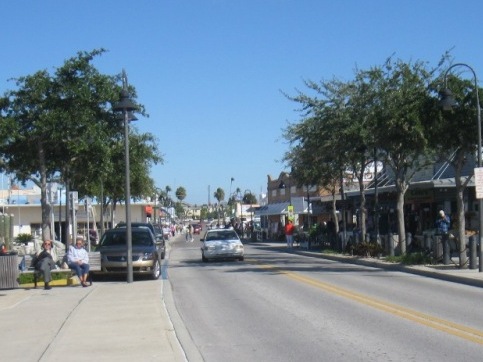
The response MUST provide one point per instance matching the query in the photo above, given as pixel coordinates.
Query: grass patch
(329, 251)
(28, 278)
(417, 258)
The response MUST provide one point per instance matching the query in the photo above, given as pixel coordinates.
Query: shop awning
(281, 208)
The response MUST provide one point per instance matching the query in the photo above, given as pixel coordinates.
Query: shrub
(24, 238)
(417, 258)
(364, 249)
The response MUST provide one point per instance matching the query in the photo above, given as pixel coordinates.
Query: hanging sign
(290, 213)
(479, 182)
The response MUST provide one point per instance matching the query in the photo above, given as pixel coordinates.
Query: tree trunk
(334, 214)
(401, 188)
(460, 210)
(362, 209)
(45, 206)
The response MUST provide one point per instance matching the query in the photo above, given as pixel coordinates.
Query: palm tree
(219, 195)
(180, 193)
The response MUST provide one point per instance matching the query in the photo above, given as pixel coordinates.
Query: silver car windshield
(221, 235)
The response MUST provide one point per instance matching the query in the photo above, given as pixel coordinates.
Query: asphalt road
(278, 306)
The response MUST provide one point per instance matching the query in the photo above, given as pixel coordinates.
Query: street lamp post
(232, 200)
(126, 105)
(308, 208)
(282, 185)
(447, 103)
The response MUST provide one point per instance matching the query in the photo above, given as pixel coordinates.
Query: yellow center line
(455, 329)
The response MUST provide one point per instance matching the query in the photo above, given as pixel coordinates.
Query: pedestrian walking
(190, 231)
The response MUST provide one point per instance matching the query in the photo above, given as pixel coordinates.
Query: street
(278, 306)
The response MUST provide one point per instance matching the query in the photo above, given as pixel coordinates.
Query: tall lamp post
(447, 103)
(282, 185)
(232, 200)
(126, 105)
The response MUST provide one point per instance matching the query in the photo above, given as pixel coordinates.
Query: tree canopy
(386, 111)
(60, 128)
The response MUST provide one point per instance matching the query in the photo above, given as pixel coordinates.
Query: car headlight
(148, 256)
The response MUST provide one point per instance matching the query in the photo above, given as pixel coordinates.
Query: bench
(94, 265)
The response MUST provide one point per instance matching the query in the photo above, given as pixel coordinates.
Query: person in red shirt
(289, 229)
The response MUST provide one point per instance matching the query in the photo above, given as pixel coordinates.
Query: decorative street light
(290, 209)
(126, 105)
(447, 103)
(282, 185)
(230, 199)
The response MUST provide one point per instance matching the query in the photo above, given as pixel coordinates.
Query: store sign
(419, 194)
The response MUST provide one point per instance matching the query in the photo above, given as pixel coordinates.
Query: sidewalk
(109, 321)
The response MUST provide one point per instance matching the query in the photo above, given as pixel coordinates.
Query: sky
(214, 74)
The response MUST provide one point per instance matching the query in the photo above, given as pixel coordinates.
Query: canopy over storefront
(281, 208)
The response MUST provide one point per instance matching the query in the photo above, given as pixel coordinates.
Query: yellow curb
(54, 283)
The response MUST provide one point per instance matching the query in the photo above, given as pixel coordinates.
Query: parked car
(221, 244)
(155, 229)
(197, 228)
(146, 252)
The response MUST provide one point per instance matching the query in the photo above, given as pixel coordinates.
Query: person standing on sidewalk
(442, 223)
(289, 229)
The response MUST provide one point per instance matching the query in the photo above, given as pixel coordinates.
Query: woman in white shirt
(78, 260)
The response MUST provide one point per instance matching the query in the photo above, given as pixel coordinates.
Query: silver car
(146, 252)
(221, 244)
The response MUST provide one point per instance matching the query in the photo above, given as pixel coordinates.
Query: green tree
(328, 146)
(54, 124)
(401, 124)
(181, 193)
(219, 195)
(180, 210)
(53, 127)
(461, 146)
(249, 199)
(383, 109)
(168, 190)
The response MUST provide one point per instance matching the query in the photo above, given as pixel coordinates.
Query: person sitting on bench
(78, 260)
(44, 262)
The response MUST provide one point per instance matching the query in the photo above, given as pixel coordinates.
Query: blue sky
(211, 72)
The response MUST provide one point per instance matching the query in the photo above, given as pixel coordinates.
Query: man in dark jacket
(45, 263)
